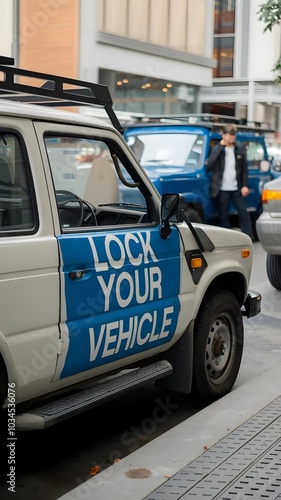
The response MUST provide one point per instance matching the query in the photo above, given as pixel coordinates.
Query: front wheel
(218, 346)
(273, 269)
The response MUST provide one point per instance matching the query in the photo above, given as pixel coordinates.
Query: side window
(89, 189)
(255, 153)
(17, 214)
(195, 153)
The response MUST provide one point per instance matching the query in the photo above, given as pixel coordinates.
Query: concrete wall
(264, 48)
(7, 35)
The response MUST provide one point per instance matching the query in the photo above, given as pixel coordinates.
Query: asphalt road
(52, 462)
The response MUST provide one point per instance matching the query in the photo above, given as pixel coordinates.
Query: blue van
(174, 149)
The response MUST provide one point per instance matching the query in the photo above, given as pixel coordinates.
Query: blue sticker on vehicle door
(121, 293)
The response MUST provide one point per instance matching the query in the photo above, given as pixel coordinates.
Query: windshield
(183, 150)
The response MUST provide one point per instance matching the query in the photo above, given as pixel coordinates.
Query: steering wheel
(71, 198)
(93, 212)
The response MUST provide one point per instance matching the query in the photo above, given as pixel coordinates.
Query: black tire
(273, 269)
(254, 217)
(3, 417)
(219, 327)
(193, 215)
(3, 382)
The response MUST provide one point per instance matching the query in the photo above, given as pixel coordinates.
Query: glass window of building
(224, 37)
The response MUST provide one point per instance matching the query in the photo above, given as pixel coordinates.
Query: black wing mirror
(170, 211)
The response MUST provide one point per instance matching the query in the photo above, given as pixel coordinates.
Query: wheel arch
(232, 282)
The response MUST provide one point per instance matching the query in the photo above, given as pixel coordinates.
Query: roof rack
(212, 121)
(55, 91)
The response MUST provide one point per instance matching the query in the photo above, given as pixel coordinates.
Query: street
(52, 462)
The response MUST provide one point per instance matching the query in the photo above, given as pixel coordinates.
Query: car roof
(206, 129)
(35, 100)
(213, 123)
(36, 112)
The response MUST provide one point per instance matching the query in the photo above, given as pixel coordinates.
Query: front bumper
(252, 304)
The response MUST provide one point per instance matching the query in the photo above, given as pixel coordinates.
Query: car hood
(223, 238)
(163, 170)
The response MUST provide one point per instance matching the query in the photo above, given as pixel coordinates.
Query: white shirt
(229, 180)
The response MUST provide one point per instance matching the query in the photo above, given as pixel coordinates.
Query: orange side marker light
(196, 263)
(245, 253)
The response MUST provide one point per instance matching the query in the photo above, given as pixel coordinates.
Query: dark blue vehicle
(174, 149)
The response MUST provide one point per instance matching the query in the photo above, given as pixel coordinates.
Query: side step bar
(104, 390)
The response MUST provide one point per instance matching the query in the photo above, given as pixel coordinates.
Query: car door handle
(76, 275)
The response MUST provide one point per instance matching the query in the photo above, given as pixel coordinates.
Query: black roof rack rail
(209, 120)
(54, 91)
(7, 60)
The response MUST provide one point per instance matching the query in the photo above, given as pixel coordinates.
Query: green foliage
(277, 68)
(270, 14)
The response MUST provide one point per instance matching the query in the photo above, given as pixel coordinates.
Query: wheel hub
(218, 348)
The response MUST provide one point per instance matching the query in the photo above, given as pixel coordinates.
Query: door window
(17, 214)
(93, 186)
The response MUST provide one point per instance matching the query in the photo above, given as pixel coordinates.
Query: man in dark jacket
(229, 179)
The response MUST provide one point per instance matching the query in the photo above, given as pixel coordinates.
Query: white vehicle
(269, 230)
(99, 296)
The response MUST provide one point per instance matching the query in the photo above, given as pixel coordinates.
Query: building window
(223, 53)
(224, 37)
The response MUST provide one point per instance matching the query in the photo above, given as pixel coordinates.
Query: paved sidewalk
(147, 473)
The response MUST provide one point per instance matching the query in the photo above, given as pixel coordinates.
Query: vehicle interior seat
(102, 183)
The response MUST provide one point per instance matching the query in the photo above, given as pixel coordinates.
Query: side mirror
(264, 166)
(170, 211)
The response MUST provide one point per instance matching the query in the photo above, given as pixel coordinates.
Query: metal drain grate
(245, 464)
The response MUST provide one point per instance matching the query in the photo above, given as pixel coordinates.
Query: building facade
(243, 81)
(156, 56)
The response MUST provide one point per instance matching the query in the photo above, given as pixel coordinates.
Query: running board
(104, 390)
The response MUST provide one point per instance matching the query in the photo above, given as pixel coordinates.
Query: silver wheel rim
(219, 349)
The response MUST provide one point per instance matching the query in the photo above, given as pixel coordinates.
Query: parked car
(268, 227)
(100, 296)
(173, 150)
(274, 151)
